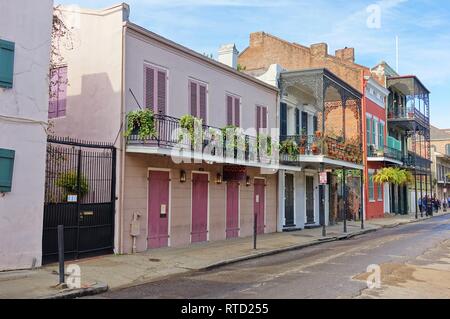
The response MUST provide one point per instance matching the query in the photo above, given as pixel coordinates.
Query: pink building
(114, 67)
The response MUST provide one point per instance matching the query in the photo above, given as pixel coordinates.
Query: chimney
(228, 54)
(346, 54)
(319, 49)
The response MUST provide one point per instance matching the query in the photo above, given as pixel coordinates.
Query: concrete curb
(98, 288)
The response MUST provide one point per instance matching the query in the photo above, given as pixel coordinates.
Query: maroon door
(259, 204)
(232, 209)
(158, 213)
(199, 208)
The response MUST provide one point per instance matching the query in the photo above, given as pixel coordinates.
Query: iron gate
(79, 194)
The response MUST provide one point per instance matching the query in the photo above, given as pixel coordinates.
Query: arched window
(447, 149)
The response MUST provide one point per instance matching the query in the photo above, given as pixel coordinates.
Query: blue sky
(423, 28)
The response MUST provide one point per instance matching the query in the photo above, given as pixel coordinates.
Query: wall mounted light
(219, 178)
(182, 176)
(248, 181)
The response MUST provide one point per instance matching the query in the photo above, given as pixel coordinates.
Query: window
(198, 100)
(6, 64)
(155, 94)
(6, 169)
(261, 118)
(371, 187)
(233, 110)
(374, 131)
(380, 192)
(447, 149)
(58, 93)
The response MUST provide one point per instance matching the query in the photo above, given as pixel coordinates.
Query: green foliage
(269, 143)
(241, 68)
(393, 175)
(143, 121)
(189, 122)
(69, 182)
(289, 147)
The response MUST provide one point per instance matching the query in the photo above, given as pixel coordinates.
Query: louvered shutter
(304, 123)
(283, 119)
(229, 110)
(6, 64)
(237, 115)
(297, 121)
(202, 91)
(258, 119)
(193, 99)
(150, 88)
(62, 91)
(264, 117)
(162, 94)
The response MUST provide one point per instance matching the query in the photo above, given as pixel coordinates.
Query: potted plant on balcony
(290, 148)
(268, 141)
(141, 123)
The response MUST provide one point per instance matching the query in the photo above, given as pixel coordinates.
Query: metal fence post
(61, 253)
(255, 230)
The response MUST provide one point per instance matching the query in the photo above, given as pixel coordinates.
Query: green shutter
(6, 169)
(6, 64)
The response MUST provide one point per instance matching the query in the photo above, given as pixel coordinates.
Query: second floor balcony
(385, 154)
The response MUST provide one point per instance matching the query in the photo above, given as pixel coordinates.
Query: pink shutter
(264, 117)
(149, 88)
(62, 91)
(258, 119)
(193, 98)
(53, 98)
(229, 110)
(202, 102)
(162, 92)
(237, 118)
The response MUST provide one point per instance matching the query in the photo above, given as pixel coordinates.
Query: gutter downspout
(364, 150)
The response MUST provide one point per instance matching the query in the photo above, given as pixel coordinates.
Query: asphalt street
(413, 259)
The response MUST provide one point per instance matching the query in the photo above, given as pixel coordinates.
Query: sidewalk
(117, 271)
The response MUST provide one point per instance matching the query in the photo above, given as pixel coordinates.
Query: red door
(199, 208)
(259, 204)
(158, 205)
(232, 209)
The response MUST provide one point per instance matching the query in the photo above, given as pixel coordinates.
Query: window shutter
(258, 119)
(229, 110)
(162, 92)
(53, 98)
(297, 121)
(193, 99)
(6, 169)
(264, 117)
(315, 124)
(283, 119)
(150, 88)
(6, 64)
(62, 91)
(237, 107)
(203, 113)
(304, 123)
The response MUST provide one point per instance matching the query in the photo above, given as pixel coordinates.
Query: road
(414, 260)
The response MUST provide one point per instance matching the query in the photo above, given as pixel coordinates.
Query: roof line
(145, 32)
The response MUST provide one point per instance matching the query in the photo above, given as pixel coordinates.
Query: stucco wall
(181, 67)
(135, 200)
(28, 24)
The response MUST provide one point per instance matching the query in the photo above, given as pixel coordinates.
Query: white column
(281, 195)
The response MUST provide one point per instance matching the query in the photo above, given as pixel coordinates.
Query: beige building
(440, 152)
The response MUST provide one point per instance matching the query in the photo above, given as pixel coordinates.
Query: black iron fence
(386, 151)
(80, 195)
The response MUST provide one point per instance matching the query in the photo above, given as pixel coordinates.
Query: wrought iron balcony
(415, 161)
(311, 145)
(209, 141)
(386, 152)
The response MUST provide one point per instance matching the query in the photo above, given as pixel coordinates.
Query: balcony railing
(333, 148)
(208, 141)
(387, 152)
(415, 161)
(409, 113)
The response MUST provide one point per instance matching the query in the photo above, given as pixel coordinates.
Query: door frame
(265, 200)
(294, 190)
(239, 207)
(169, 208)
(207, 205)
(310, 174)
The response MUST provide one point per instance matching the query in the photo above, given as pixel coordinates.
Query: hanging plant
(69, 182)
(189, 123)
(393, 175)
(142, 124)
